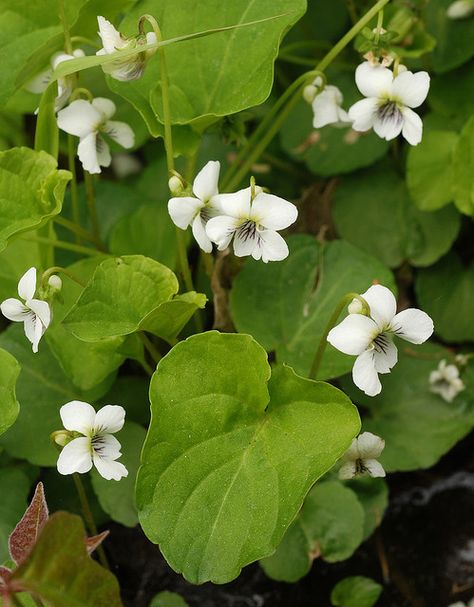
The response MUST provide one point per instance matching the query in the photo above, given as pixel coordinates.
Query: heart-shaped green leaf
(356, 591)
(9, 407)
(231, 453)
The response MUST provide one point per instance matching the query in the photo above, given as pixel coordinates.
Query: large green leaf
(15, 260)
(231, 453)
(9, 407)
(205, 77)
(463, 169)
(287, 305)
(61, 572)
(330, 526)
(446, 292)
(417, 425)
(31, 191)
(129, 294)
(372, 493)
(14, 489)
(452, 94)
(392, 230)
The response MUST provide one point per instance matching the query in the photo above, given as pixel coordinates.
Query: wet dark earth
(425, 548)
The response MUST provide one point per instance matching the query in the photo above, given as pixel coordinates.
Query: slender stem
(60, 270)
(379, 27)
(150, 347)
(67, 246)
(71, 154)
(74, 228)
(352, 10)
(88, 517)
(332, 321)
(90, 197)
(67, 35)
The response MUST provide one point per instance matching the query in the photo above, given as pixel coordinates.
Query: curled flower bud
(309, 93)
(55, 282)
(355, 307)
(61, 437)
(460, 9)
(176, 185)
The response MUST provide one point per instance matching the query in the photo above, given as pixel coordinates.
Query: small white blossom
(390, 98)
(55, 282)
(196, 211)
(88, 121)
(65, 84)
(460, 9)
(371, 338)
(326, 103)
(361, 457)
(446, 382)
(130, 68)
(35, 314)
(461, 604)
(252, 224)
(94, 444)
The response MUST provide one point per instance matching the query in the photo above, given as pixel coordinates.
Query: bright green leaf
(221, 480)
(463, 169)
(372, 493)
(9, 406)
(356, 591)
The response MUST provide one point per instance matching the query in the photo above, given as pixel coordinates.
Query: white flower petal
(411, 89)
(385, 356)
(88, 153)
(104, 157)
(272, 212)
(78, 416)
(370, 445)
(273, 247)
(183, 210)
(15, 310)
(109, 469)
(27, 284)
(374, 468)
(199, 233)
(236, 204)
(412, 126)
(363, 113)
(353, 452)
(109, 419)
(39, 83)
(413, 325)
(353, 335)
(79, 118)
(41, 309)
(75, 457)
(389, 126)
(245, 244)
(326, 107)
(111, 38)
(120, 132)
(34, 330)
(347, 470)
(106, 446)
(106, 107)
(221, 230)
(373, 80)
(205, 185)
(382, 304)
(365, 375)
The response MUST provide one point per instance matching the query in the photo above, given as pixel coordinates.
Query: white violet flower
(326, 104)
(252, 224)
(361, 457)
(88, 121)
(94, 444)
(65, 84)
(390, 99)
(460, 9)
(35, 314)
(371, 338)
(446, 382)
(130, 68)
(196, 211)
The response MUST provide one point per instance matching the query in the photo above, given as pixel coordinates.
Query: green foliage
(356, 591)
(220, 481)
(129, 294)
(372, 493)
(168, 599)
(9, 406)
(31, 191)
(463, 165)
(286, 306)
(14, 489)
(392, 230)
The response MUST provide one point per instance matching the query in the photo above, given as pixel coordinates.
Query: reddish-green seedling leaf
(94, 541)
(25, 534)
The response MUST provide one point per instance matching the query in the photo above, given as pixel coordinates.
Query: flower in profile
(370, 338)
(35, 314)
(446, 382)
(251, 218)
(90, 120)
(91, 441)
(195, 211)
(361, 457)
(389, 102)
(326, 102)
(129, 68)
(40, 83)
(460, 9)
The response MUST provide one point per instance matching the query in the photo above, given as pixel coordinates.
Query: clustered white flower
(249, 218)
(92, 443)
(370, 338)
(326, 101)
(35, 314)
(446, 382)
(361, 457)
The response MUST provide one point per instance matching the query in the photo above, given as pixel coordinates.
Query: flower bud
(309, 93)
(460, 9)
(355, 307)
(176, 185)
(55, 282)
(61, 437)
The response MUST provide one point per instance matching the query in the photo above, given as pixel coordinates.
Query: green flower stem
(344, 302)
(272, 122)
(150, 347)
(67, 35)
(67, 246)
(71, 155)
(88, 517)
(379, 26)
(75, 229)
(59, 270)
(91, 205)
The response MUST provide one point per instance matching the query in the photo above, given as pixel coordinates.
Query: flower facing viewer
(370, 338)
(92, 441)
(35, 314)
(89, 120)
(389, 102)
(361, 457)
(446, 382)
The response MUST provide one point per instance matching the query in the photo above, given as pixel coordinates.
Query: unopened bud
(309, 93)
(61, 437)
(461, 360)
(175, 185)
(355, 307)
(55, 282)
(460, 9)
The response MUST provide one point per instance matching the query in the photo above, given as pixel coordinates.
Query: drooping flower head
(89, 121)
(93, 443)
(361, 457)
(460, 9)
(252, 224)
(370, 338)
(35, 314)
(195, 211)
(326, 102)
(390, 99)
(130, 68)
(446, 382)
